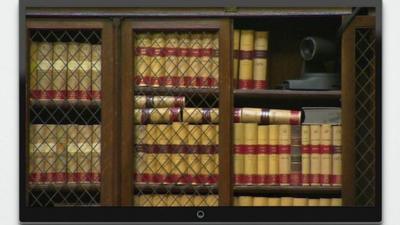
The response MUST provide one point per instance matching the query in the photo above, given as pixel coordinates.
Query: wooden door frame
(109, 186)
(224, 28)
(348, 106)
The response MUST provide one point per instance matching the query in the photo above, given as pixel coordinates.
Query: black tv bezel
(211, 214)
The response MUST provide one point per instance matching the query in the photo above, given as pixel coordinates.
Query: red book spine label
(72, 95)
(84, 95)
(336, 180)
(295, 117)
(61, 95)
(96, 95)
(284, 177)
(295, 178)
(260, 84)
(246, 84)
(273, 178)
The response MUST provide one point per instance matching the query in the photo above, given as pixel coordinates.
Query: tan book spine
(152, 165)
(245, 201)
(96, 154)
(236, 44)
(267, 116)
(60, 138)
(194, 141)
(273, 159)
(199, 200)
(141, 137)
(35, 140)
(207, 142)
(315, 156)
(179, 142)
(286, 201)
(171, 60)
(336, 178)
(274, 202)
(183, 59)
(33, 70)
(212, 200)
(250, 154)
(336, 202)
(326, 154)
(157, 65)
(324, 202)
(214, 177)
(246, 59)
(200, 115)
(280, 116)
(260, 59)
(72, 153)
(284, 154)
(251, 115)
(313, 202)
(204, 77)
(45, 70)
(260, 201)
(194, 60)
(84, 153)
(142, 101)
(73, 72)
(142, 60)
(157, 115)
(262, 155)
(185, 200)
(60, 57)
(96, 73)
(295, 155)
(305, 155)
(162, 153)
(213, 80)
(300, 202)
(49, 149)
(239, 149)
(84, 70)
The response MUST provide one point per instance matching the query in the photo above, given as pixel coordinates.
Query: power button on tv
(200, 214)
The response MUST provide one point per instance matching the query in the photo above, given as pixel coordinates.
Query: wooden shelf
(317, 190)
(288, 94)
(175, 189)
(175, 91)
(64, 187)
(52, 104)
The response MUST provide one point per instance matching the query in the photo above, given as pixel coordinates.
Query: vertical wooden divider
(348, 106)
(225, 189)
(348, 118)
(109, 116)
(127, 129)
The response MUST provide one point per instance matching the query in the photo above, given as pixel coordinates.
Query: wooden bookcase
(117, 28)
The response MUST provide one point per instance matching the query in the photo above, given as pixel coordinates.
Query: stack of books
(250, 59)
(170, 59)
(169, 200)
(285, 201)
(61, 154)
(62, 71)
(287, 154)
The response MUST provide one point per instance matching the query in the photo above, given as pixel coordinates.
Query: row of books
(169, 200)
(285, 201)
(64, 154)
(176, 59)
(287, 155)
(211, 115)
(250, 58)
(65, 71)
(179, 153)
